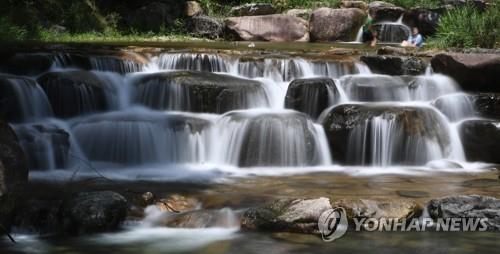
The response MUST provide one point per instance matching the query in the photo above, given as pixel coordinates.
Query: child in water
(414, 40)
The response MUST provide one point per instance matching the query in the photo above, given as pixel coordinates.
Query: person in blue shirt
(414, 40)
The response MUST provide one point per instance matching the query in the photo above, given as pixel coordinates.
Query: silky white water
(147, 129)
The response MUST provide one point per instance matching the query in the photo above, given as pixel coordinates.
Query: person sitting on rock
(414, 40)
(369, 33)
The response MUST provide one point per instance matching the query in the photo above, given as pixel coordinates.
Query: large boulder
(328, 24)
(205, 26)
(252, 9)
(277, 28)
(26, 63)
(300, 13)
(394, 65)
(474, 72)
(467, 206)
(382, 11)
(193, 8)
(364, 208)
(426, 20)
(199, 92)
(93, 212)
(203, 219)
(13, 174)
(312, 95)
(287, 215)
(487, 104)
(481, 140)
(46, 145)
(156, 16)
(270, 139)
(411, 135)
(354, 4)
(73, 93)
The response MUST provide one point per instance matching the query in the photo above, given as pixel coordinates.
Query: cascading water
(28, 101)
(139, 136)
(261, 138)
(228, 111)
(392, 32)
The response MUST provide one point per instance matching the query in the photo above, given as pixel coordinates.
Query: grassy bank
(464, 27)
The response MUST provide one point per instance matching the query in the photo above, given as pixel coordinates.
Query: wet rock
(426, 20)
(193, 8)
(46, 145)
(275, 28)
(481, 183)
(225, 218)
(205, 26)
(394, 208)
(394, 65)
(487, 104)
(156, 15)
(354, 4)
(412, 194)
(147, 198)
(347, 122)
(395, 51)
(311, 96)
(199, 91)
(300, 13)
(39, 216)
(92, 212)
(474, 72)
(287, 215)
(73, 93)
(13, 175)
(252, 9)
(177, 203)
(382, 11)
(481, 140)
(336, 24)
(26, 63)
(470, 206)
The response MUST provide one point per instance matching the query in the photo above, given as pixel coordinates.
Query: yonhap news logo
(333, 224)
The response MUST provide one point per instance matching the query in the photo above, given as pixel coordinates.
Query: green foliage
(11, 32)
(408, 4)
(467, 27)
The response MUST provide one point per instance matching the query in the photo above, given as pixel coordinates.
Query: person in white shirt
(414, 40)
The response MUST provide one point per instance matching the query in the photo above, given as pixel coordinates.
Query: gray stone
(287, 215)
(471, 206)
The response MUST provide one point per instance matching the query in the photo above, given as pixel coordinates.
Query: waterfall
(227, 112)
(389, 139)
(257, 138)
(455, 106)
(392, 32)
(278, 69)
(139, 136)
(30, 102)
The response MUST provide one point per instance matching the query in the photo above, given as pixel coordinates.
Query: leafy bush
(11, 32)
(468, 27)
